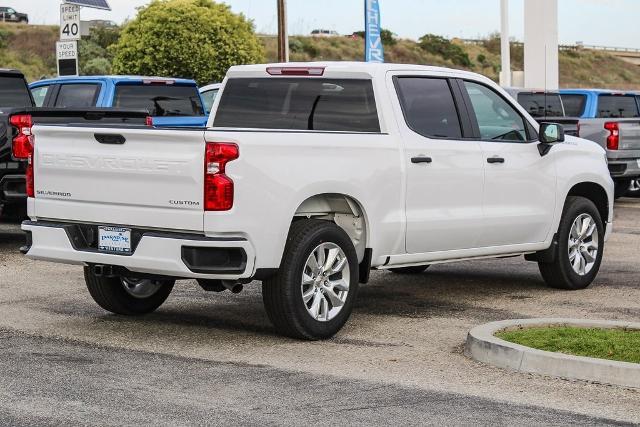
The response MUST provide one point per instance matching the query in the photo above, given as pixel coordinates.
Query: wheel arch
(594, 192)
(342, 209)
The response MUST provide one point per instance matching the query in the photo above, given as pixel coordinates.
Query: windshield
(14, 92)
(160, 100)
(541, 104)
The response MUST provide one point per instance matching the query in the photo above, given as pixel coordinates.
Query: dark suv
(9, 14)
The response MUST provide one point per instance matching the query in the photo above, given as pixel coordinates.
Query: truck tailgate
(630, 135)
(119, 176)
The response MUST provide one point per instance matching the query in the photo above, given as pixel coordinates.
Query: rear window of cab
(338, 105)
(617, 106)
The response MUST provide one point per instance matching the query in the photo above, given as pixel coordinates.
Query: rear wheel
(418, 269)
(312, 295)
(621, 187)
(634, 188)
(127, 296)
(580, 247)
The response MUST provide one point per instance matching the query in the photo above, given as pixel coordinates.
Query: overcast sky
(600, 22)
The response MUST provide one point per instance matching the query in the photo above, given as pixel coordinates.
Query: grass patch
(612, 344)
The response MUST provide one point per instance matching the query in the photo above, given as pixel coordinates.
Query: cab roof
(345, 67)
(114, 79)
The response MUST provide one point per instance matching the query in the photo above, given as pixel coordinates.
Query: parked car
(14, 94)
(612, 119)
(171, 102)
(9, 14)
(324, 33)
(545, 106)
(209, 94)
(305, 180)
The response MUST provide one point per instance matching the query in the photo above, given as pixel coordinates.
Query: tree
(197, 39)
(439, 45)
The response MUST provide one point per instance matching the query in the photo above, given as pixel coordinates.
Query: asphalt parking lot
(213, 358)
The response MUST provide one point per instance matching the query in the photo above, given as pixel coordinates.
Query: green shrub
(197, 39)
(439, 45)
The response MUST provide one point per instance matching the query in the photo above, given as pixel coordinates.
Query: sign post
(67, 54)
(374, 51)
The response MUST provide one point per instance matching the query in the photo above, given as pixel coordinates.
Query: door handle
(109, 138)
(495, 160)
(421, 159)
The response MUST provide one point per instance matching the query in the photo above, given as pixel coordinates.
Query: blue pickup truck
(170, 102)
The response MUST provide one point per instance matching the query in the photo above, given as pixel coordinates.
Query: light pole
(505, 49)
(283, 37)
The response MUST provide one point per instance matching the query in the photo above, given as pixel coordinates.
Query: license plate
(114, 239)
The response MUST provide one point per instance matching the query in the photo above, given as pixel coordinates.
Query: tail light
(613, 140)
(218, 187)
(149, 121)
(22, 144)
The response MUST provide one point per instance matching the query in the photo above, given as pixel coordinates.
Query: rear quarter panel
(277, 171)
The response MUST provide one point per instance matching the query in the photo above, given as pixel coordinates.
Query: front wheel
(580, 247)
(312, 295)
(127, 296)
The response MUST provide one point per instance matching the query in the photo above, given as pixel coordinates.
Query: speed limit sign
(69, 22)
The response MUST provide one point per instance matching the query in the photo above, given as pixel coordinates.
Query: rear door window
(40, 94)
(574, 105)
(209, 97)
(341, 105)
(14, 92)
(428, 107)
(541, 104)
(161, 100)
(77, 95)
(617, 106)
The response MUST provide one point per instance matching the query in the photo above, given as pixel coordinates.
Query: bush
(387, 36)
(96, 67)
(438, 45)
(197, 39)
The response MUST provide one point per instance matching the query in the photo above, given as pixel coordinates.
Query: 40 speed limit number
(69, 22)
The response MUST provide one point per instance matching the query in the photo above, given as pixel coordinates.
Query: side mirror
(550, 133)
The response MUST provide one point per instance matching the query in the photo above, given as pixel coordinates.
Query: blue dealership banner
(374, 51)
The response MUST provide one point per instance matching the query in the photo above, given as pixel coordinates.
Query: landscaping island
(612, 344)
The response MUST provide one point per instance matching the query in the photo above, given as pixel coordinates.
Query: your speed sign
(69, 22)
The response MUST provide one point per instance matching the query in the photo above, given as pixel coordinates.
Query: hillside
(31, 49)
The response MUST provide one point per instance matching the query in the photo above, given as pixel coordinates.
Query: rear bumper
(157, 253)
(13, 189)
(624, 168)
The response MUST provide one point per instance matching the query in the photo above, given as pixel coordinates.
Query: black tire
(634, 189)
(282, 293)
(621, 188)
(110, 294)
(560, 274)
(418, 269)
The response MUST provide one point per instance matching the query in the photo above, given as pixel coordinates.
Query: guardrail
(567, 46)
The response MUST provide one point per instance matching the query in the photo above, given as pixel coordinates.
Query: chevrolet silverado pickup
(307, 177)
(170, 102)
(611, 119)
(14, 94)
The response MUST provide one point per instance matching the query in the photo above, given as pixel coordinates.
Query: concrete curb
(483, 346)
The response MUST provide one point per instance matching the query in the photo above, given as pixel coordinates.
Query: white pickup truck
(307, 177)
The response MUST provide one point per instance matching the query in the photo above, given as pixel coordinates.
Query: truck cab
(170, 102)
